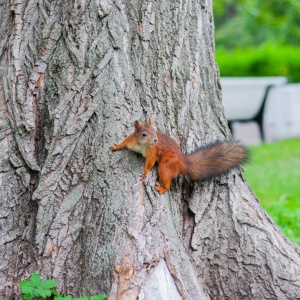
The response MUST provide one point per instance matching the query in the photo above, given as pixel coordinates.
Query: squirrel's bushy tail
(214, 159)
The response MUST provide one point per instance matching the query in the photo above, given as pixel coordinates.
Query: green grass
(274, 175)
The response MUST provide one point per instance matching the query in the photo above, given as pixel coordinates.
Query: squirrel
(205, 163)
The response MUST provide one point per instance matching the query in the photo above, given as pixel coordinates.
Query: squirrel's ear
(149, 122)
(137, 125)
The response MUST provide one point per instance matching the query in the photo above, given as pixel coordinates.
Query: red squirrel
(206, 162)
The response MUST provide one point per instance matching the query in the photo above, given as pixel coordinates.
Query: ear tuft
(137, 125)
(149, 122)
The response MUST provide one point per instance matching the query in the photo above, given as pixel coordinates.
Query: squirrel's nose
(155, 140)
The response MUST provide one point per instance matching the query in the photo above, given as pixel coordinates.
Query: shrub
(266, 60)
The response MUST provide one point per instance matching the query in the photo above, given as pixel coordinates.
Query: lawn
(274, 175)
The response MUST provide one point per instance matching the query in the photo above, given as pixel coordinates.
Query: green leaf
(78, 299)
(48, 284)
(84, 297)
(98, 297)
(35, 279)
(25, 283)
(28, 290)
(26, 287)
(55, 293)
(43, 293)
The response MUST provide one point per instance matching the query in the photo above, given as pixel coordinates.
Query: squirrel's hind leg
(162, 188)
(165, 177)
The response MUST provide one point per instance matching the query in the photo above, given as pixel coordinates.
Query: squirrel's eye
(144, 134)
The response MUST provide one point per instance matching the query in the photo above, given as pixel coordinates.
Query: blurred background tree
(258, 38)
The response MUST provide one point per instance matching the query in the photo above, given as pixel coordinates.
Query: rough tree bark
(74, 76)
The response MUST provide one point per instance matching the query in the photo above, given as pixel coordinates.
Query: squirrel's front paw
(114, 147)
(143, 176)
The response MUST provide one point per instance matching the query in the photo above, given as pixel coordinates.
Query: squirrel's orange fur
(207, 162)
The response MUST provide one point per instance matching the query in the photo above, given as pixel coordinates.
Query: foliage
(36, 288)
(266, 60)
(258, 38)
(274, 174)
(248, 23)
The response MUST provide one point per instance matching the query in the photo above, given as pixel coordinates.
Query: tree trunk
(75, 75)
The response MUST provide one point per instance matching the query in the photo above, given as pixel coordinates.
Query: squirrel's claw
(113, 148)
(143, 176)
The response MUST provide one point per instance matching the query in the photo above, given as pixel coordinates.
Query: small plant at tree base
(36, 288)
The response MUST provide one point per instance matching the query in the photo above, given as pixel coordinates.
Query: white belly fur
(139, 149)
